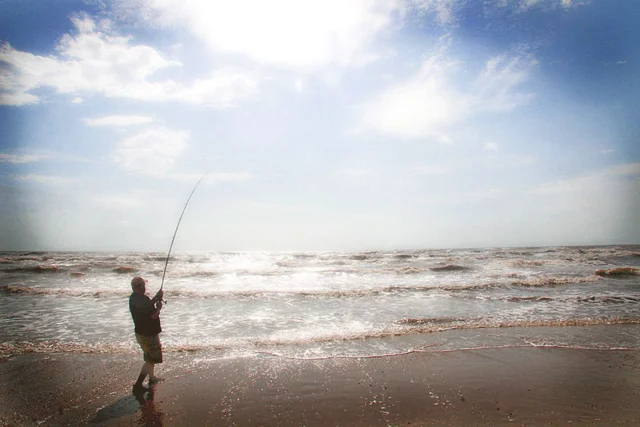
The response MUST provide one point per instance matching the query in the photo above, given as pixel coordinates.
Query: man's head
(138, 285)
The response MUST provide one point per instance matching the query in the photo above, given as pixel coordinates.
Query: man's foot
(138, 388)
(155, 380)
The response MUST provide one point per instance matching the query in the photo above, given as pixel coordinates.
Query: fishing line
(178, 226)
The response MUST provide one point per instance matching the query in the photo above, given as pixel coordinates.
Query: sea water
(325, 304)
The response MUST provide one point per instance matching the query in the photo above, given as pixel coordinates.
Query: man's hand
(159, 295)
(158, 307)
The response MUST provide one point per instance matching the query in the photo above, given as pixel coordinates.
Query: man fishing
(146, 319)
(146, 314)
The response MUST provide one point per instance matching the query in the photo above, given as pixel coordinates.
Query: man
(146, 319)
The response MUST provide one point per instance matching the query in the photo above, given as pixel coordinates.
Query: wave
(35, 269)
(619, 272)
(22, 347)
(450, 267)
(427, 325)
(452, 290)
(405, 256)
(30, 290)
(522, 263)
(544, 282)
(124, 269)
(404, 327)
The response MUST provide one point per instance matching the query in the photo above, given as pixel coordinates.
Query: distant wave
(123, 269)
(522, 263)
(35, 269)
(405, 256)
(452, 290)
(449, 267)
(619, 272)
(30, 290)
(543, 282)
(419, 325)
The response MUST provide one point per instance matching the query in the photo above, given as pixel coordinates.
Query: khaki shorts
(151, 347)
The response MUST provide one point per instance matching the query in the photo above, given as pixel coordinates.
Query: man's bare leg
(152, 377)
(147, 369)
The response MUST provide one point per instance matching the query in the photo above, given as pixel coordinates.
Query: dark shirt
(141, 309)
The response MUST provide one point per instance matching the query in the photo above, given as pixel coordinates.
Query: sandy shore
(510, 387)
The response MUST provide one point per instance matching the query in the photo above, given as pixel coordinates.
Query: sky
(320, 125)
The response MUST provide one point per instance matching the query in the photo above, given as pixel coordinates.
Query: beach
(521, 386)
(449, 337)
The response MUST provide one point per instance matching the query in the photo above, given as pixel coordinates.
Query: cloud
(445, 10)
(443, 167)
(118, 120)
(16, 158)
(600, 206)
(42, 179)
(629, 169)
(490, 146)
(433, 100)
(94, 60)
(355, 172)
(211, 177)
(285, 33)
(119, 202)
(591, 183)
(152, 151)
(524, 5)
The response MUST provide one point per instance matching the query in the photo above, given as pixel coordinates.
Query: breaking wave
(426, 325)
(35, 269)
(311, 293)
(449, 267)
(405, 327)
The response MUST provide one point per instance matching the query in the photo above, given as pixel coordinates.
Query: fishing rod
(178, 226)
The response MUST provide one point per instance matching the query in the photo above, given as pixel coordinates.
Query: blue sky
(325, 125)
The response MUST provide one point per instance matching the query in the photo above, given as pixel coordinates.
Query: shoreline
(488, 387)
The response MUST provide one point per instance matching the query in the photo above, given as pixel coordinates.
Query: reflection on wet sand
(149, 415)
(140, 400)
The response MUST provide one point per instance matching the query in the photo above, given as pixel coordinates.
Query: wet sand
(493, 387)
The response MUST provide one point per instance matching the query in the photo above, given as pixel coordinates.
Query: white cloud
(96, 61)
(118, 120)
(285, 33)
(520, 6)
(77, 100)
(444, 9)
(491, 146)
(42, 179)
(16, 158)
(491, 193)
(443, 167)
(355, 172)
(549, 4)
(118, 202)
(432, 100)
(590, 183)
(152, 151)
(211, 178)
(626, 169)
(600, 206)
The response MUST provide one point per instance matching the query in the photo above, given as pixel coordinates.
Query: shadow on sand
(141, 399)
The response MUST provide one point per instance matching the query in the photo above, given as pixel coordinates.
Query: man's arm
(158, 296)
(155, 314)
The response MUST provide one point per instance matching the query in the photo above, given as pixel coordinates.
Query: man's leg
(147, 369)
(152, 377)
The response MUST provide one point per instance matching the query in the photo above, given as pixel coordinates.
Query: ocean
(326, 304)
